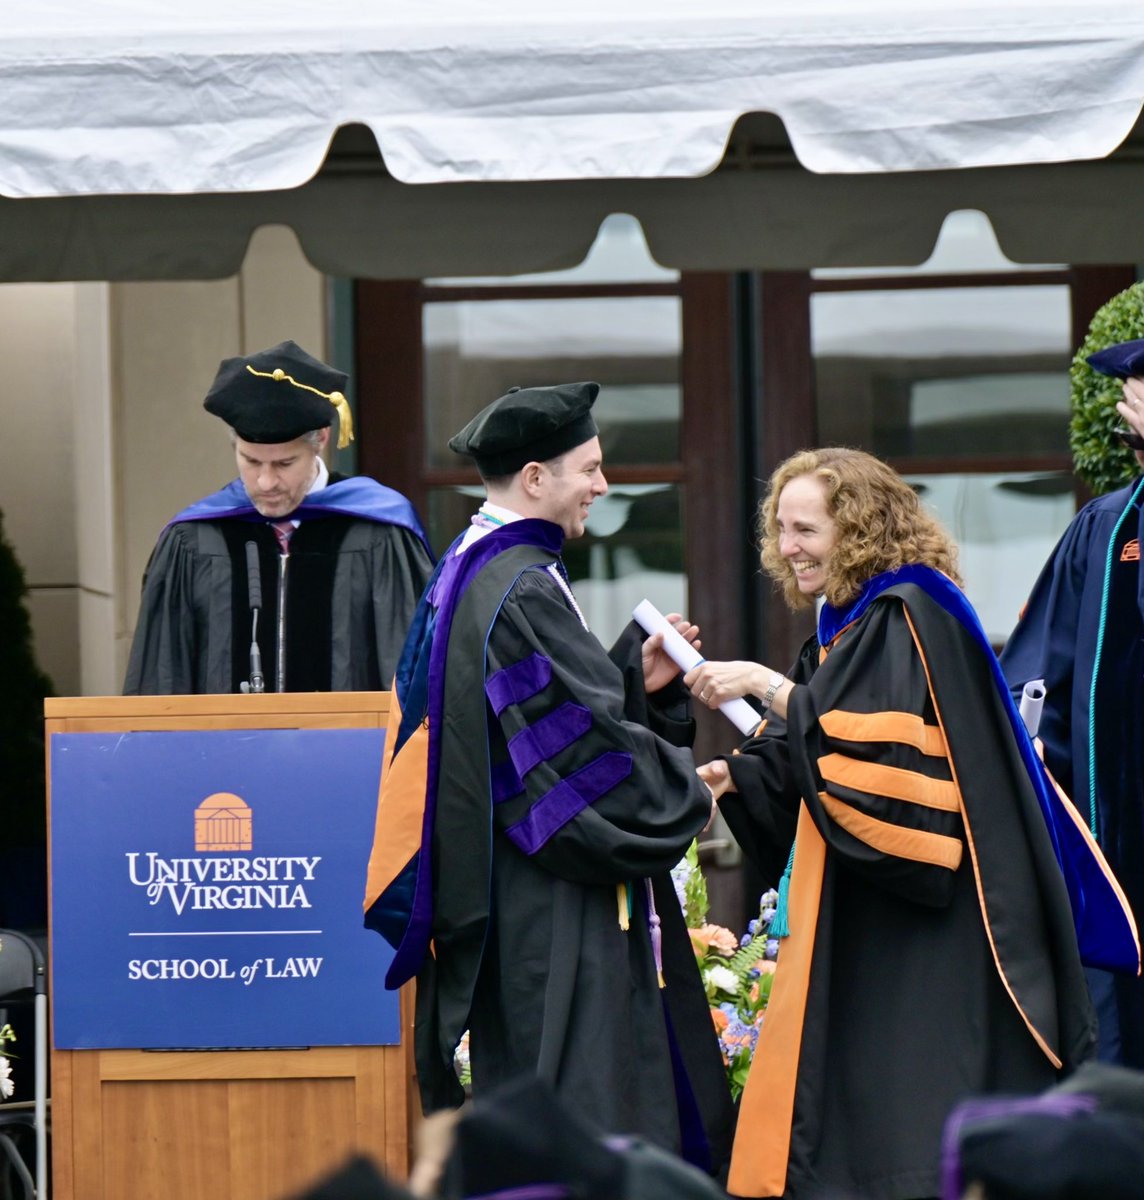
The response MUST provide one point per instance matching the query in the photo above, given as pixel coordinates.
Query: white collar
(321, 479)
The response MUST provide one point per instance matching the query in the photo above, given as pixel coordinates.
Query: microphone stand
(257, 683)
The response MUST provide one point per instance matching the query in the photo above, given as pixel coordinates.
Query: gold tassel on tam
(345, 419)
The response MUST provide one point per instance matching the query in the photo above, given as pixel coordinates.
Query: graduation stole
(1118, 544)
(1105, 928)
(399, 887)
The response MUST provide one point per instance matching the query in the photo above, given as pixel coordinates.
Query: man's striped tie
(283, 531)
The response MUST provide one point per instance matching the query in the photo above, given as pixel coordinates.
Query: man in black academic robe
(1082, 634)
(331, 566)
(537, 796)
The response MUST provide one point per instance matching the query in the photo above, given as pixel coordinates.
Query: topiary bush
(1099, 457)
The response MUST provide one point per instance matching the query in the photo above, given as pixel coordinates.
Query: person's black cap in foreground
(1080, 1140)
(357, 1179)
(528, 425)
(520, 1136)
(278, 395)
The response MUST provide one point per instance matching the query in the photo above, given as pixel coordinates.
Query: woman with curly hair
(927, 950)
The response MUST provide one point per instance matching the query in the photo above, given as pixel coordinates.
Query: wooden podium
(230, 1124)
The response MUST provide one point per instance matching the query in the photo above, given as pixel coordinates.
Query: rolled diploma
(1032, 701)
(685, 656)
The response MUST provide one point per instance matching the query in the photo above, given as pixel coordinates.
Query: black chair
(23, 978)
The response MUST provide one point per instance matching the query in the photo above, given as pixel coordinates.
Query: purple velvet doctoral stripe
(511, 685)
(527, 1191)
(555, 731)
(570, 796)
(693, 1144)
(456, 573)
(505, 782)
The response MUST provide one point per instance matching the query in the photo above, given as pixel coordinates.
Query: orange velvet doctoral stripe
(896, 783)
(761, 1152)
(1038, 1037)
(907, 728)
(886, 838)
(400, 805)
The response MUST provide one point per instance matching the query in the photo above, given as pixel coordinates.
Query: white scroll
(685, 656)
(1032, 701)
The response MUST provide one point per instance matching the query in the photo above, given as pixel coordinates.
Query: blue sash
(359, 496)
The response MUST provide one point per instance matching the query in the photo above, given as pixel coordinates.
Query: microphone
(254, 593)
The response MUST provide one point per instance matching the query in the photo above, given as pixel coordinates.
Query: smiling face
(807, 532)
(276, 475)
(570, 484)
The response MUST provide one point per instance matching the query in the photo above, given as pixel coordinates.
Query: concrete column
(37, 485)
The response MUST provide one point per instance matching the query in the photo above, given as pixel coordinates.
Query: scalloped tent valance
(141, 141)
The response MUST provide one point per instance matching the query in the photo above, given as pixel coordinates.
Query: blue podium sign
(207, 890)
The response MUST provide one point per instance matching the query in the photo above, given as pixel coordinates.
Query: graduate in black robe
(1082, 633)
(338, 579)
(927, 951)
(536, 794)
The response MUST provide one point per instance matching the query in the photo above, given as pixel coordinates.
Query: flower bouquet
(737, 972)
(462, 1064)
(7, 1085)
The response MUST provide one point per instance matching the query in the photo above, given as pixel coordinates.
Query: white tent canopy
(140, 139)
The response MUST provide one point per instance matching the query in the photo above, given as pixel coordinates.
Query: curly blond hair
(880, 523)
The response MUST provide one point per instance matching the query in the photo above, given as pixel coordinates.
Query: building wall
(37, 457)
(107, 438)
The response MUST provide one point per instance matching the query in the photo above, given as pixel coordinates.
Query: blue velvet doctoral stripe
(519, 682)
(390, 910)
(569, 796)
(555, 731)
(404, 906)
(1104, 931)
(389, 914)
(359, 496)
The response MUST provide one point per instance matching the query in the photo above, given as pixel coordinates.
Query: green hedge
(1098, 456)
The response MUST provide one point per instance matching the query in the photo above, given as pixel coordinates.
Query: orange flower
(720, 1020)
(714, 937)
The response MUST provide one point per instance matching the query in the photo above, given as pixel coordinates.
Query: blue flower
(772, 950)
(753, 926)
(680, 875)
(745, 940)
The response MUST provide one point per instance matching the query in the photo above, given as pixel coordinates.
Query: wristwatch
(776, 682)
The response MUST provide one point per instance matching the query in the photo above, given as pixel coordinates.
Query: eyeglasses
(1130, 438)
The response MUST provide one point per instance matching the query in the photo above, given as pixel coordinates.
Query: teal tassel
(779, 926)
